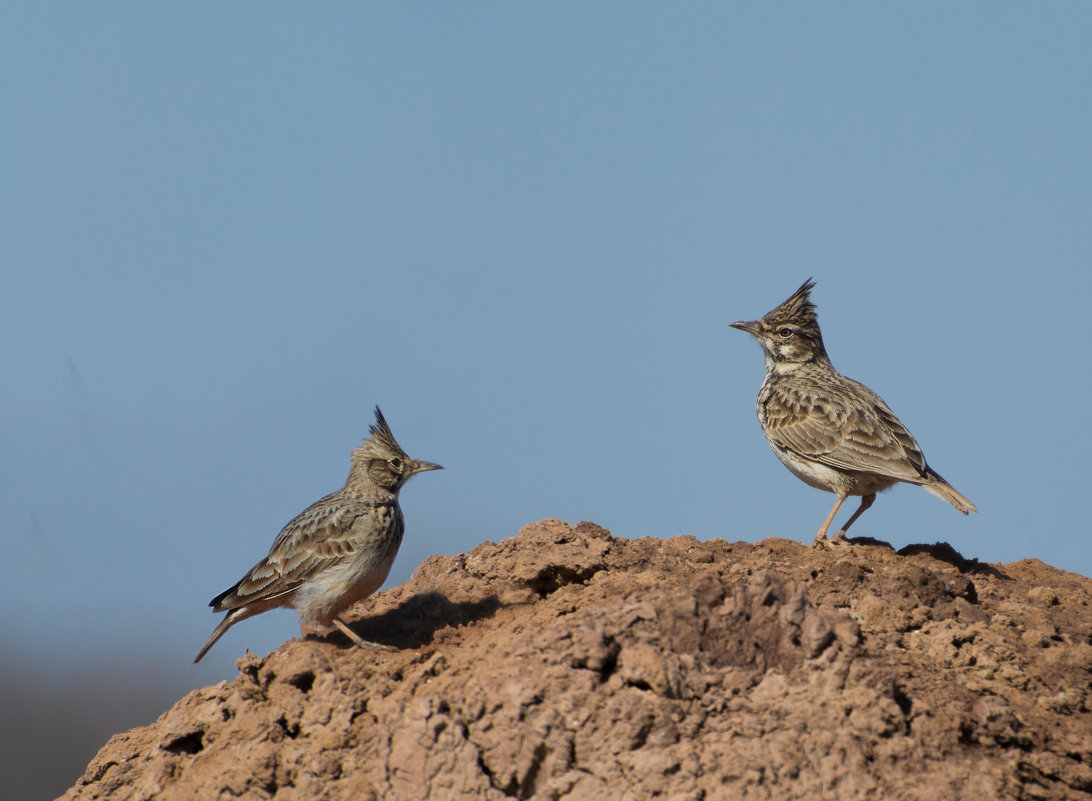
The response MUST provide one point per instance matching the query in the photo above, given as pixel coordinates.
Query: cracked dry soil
(565, 663)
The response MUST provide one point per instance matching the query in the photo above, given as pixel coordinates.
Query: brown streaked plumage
(335, 552)
(832, 432)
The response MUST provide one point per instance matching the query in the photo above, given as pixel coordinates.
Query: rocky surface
(569, 664)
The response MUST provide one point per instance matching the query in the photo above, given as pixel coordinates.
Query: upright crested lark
(335, 552)
(832, 432)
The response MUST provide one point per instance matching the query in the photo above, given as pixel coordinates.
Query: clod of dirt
(566, 663)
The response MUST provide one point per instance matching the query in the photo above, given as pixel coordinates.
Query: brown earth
(569, 664)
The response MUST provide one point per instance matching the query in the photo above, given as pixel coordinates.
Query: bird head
(790, 333)
(383, 460)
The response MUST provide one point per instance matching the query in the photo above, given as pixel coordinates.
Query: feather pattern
(322, 535)
(823, 422)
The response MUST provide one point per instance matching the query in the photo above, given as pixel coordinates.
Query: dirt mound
(569, 664)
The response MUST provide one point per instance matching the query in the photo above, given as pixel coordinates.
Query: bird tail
(942, 489)
(232, 617)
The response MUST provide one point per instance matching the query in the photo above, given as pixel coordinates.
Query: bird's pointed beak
(750, 327)
(420, 467)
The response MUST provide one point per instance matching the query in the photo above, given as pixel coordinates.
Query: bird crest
(380, 442)
(382, 432)
(798, 309)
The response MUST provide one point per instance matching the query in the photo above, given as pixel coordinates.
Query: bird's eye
(396, 463)
(785, 333)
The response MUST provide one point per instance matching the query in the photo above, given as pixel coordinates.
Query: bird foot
(829, 544)
(359, 641)
(368, 645)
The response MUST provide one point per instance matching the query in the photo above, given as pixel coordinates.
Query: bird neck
(780, 367)
(364, 489)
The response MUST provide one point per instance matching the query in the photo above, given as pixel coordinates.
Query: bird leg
(820, 538)
(361, 643)
(866, 501)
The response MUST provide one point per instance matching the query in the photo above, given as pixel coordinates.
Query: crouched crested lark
(335, 552)
(832, 432)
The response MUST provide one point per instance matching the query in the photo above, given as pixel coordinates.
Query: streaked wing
(315, 539)
(848, 436)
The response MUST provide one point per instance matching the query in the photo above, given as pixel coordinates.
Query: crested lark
(335, 552)
(832, 432)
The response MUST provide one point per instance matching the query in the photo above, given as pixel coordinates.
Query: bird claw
(359, 641)
(368, 645)
(823, 542)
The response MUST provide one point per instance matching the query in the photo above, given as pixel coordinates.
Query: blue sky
(229, 230)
